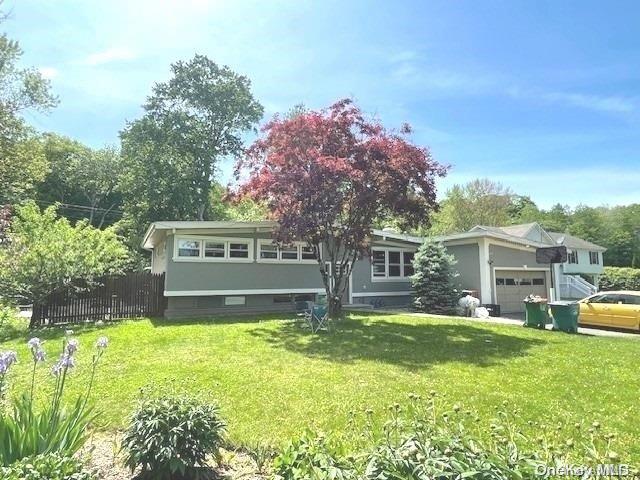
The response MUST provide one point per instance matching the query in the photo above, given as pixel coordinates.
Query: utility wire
(74, 206)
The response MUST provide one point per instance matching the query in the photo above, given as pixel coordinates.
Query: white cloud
(593, 102)
(410, 70)
(48, 72)
(109, 55)
(601, 103)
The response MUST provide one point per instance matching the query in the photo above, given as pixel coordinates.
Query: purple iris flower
(39, 355)
(66, 361)
(10, 357)
(102, 342)
(6, 360)
(72, 346)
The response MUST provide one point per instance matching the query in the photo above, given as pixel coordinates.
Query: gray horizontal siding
(468, 265)
(383, 301)
(513, 257)
(190, 276)
(194, 307)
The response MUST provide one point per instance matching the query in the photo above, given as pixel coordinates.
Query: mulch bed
(102, 454)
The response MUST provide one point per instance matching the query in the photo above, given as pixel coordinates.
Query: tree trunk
(334, 306)
(36, 315)
(201, 209)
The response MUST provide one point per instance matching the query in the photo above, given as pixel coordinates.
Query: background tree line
(485, 202)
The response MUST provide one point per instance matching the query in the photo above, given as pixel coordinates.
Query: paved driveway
(518, 319)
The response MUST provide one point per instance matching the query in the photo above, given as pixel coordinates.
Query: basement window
(239, 300)
(282, 299)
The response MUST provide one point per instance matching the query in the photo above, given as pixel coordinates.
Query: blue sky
(542, 96)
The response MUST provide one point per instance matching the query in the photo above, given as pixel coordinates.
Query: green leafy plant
(313, 456)
(261, 455)
(25, 429)
(620, 278)
(170, 437)
(46, 252)
(427, 440)
(11, 324)
(49, 466)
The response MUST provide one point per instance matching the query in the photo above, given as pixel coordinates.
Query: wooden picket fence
(107, 298)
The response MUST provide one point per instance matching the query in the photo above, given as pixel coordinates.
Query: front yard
(273, 378)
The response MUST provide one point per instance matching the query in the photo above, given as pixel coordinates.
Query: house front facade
(234, 267)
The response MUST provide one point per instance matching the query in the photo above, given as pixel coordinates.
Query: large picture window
(391, 264)
(298, 252)
(213, 249)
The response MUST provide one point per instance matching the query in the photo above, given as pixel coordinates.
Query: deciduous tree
(45, 252)
(22, 163)
(479, 202)
(326, 176)
(203, 111)
(83, 180)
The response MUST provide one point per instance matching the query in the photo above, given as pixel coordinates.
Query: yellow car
(611, 309)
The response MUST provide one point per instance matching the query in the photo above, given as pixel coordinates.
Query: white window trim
(224, 240)
(386, 277)
(597, 254)
(575, 254)
(279, 258)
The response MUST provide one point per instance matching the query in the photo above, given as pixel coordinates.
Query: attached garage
(512, 286)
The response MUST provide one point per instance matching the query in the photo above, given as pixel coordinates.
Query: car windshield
(609, 298)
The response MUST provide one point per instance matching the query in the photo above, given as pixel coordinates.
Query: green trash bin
(536, 314)
(565, 316)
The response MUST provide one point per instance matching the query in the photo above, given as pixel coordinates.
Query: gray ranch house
(234, 267)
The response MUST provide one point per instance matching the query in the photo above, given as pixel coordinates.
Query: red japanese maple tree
(327, 176)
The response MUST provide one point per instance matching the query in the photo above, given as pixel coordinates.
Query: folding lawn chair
(304, 311)
(319, 317)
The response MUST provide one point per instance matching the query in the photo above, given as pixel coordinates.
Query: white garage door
(512, 286)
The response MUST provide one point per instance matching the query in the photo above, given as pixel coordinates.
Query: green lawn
(273, 378)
